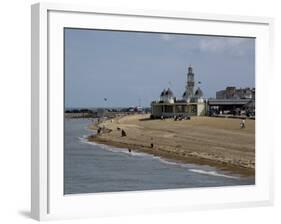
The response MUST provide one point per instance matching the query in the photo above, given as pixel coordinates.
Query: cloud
(166, 37)
(235, 46)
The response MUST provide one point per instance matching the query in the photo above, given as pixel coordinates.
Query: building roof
(198, 92)
(169, 92)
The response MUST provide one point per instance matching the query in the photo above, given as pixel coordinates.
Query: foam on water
(200, 171)
(173, 163)
(111, 148)
(212, 173)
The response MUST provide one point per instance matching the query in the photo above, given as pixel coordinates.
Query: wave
(212, 173)
(112, 148)
(174, 163)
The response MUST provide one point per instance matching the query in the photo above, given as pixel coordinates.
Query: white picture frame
(47, 199)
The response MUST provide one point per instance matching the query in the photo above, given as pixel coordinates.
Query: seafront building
(231, 92)
(192, 102)
(234, 101)
(231, 100)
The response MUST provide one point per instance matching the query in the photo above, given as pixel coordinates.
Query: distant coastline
(201, 140)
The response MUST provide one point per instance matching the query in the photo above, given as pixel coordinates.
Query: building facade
(232, 92)
(192, 102)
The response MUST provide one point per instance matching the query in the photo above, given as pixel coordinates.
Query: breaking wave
(212, 173)
(112, 148)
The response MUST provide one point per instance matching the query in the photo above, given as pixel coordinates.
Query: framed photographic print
(148, 111)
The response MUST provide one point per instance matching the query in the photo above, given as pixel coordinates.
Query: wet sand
(202, 140)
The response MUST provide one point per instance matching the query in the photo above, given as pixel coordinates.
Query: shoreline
(234, 169)
(138, 141)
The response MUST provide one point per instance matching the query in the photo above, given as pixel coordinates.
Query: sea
(94, 168)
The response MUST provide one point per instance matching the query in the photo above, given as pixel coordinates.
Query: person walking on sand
(242, 123)
(123, 133)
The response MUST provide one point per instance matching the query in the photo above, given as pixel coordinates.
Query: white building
(191, 104)
(167, 96)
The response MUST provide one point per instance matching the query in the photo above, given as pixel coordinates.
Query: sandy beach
(202, 140)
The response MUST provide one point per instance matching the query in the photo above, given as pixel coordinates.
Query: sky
(132, 68)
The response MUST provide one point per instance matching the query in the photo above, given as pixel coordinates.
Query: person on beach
(242, 123)
(151, 144)
(123, 133)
